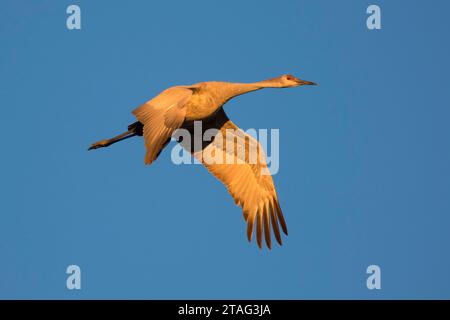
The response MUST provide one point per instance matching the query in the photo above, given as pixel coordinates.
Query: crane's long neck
(232, 90)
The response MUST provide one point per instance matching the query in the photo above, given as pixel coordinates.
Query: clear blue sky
(364, 168)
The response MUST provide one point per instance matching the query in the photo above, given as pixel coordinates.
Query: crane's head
(289, 81)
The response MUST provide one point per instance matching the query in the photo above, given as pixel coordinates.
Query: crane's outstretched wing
(238, 161)
(161, 116)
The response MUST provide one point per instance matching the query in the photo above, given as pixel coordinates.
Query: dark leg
(138, 128)
(108, 142)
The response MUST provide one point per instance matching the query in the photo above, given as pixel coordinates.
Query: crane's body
(178, 107)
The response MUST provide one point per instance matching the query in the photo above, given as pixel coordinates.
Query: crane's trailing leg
(135, 129)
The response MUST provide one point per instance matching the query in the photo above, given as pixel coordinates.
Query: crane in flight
(245, 176)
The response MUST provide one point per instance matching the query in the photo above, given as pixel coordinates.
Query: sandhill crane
(179, 107)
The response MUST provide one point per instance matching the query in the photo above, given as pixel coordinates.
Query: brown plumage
(243, 170)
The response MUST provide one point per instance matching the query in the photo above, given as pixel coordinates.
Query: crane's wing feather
(161, 116)
(238, 161)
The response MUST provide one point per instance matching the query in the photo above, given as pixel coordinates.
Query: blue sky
(364, 157)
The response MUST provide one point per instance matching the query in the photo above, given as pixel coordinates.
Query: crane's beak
(306, 83)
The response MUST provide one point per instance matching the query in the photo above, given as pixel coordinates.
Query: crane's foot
(100, 144)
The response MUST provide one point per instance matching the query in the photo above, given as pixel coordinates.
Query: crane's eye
(289, 77)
